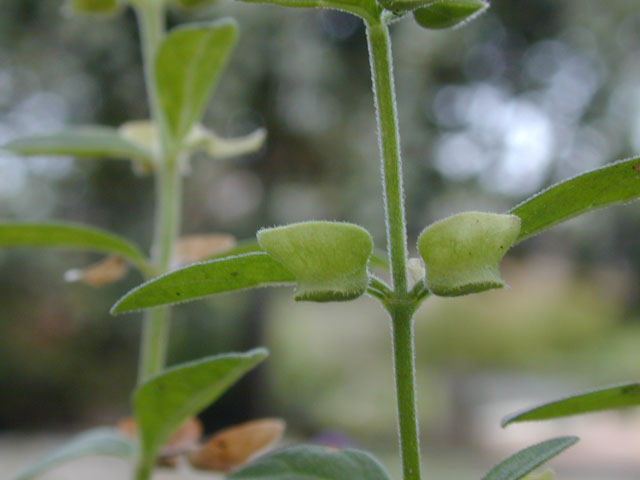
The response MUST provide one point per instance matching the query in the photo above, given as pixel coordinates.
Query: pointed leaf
(328, 259)
(525, 461)
(187, 67)
(443, 14)
(99, 142)
(100, 441)
(312, 462)
(462, 253)
(366, 9)
(228, 274)
(165, 401)
(613, 184)
(69, 235)
(619, 396)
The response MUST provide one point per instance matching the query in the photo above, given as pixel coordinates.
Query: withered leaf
(105, 272)
(233, 447)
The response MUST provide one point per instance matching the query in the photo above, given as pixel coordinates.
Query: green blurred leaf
(93, 6)
(525, 461)
(366, 9)
(613, 184)
(100, 441)
(99, 142)
(69, 235)
(165, 401)
(403, 6)
(200, 280)
(619, 396)
(218, 147)
(442, 14)
(194, 3)
(328, 259)
(187, 67)
(312, 462)
(462, 253)
(548, 475)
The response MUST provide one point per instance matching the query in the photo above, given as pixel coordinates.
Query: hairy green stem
(400, 304)
(382, 73)
(151, 18)
(404, 367)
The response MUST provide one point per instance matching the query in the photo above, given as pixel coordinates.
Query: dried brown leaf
(107, 271)
(193, 248)
(233, 447)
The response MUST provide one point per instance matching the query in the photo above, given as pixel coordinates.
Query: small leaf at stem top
(165, 401)
(462, 253)
(619, 396)
(100, 441)
(441, 14)
(328, 259)
(313, 462)
(612, 184)
(187, 67)
(520, 464)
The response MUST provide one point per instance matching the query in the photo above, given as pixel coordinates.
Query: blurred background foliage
(531, 93)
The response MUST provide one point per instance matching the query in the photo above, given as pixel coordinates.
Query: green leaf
(69, 235)
(195, 3)
(220, 148)
(613, 184)
(462, 253)
(547, 475)
(366, 9)
(100, 441)
(619, 396)
(443, 14)
(187, 67)
(93, 6)
(200, 280)
(313, 462)
(165, 401)
(100, 142)
(329, 259)
(403, 6)
(525, 461)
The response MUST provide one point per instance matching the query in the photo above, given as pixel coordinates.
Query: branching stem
(400, 304)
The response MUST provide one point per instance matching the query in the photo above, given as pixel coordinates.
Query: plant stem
(400, 304)
(151, 18)
(404, 367)
(384, 90)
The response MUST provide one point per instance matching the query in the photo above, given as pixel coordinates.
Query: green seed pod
(462, 253)
(96, 7)
(328, 259)
(442, 14)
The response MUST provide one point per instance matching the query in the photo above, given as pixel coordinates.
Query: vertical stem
(384, 93)
(400, 305)
(404, 367)
(151, 18)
